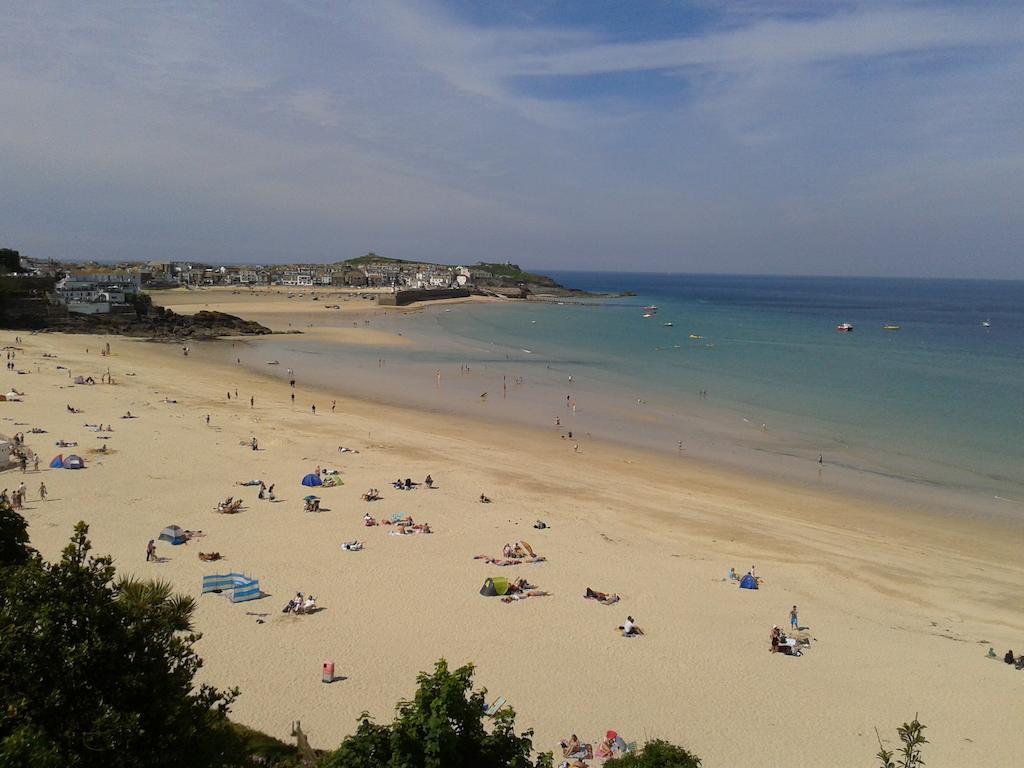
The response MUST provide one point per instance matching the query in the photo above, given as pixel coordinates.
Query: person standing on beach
(42, 491)
(333, 404)
(293, 398)
(151, 551)
(313, 408)
(207, 419)
(793, 621)
(35, 463)
(252, 401)
(229, 395)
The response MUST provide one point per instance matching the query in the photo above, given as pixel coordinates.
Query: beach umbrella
(310, 497)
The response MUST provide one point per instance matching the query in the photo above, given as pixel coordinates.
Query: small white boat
(648, 314)
(667, 325)
(986, 323)
(844, 328)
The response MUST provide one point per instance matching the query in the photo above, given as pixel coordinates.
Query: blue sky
(821, 137)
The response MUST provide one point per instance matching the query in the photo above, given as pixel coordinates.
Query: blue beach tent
(58, 462)
(173, 534)
(73, 462)
(748, 582)
(312, 480)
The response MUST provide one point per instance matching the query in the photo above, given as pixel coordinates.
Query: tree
(98, 673)
(912, 736)
(442, 727)
(657, 754)
(14, 548)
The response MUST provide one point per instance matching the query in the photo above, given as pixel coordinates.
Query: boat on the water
(844, 328)
(890, 327)
(986, 323)
(648, 314)
(696, 336)
(667, 325)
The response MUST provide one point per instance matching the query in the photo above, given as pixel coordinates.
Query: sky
(775, 137)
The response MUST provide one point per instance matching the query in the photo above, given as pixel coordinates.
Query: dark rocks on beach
(162, 324)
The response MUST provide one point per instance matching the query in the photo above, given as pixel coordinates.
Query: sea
(743, 371)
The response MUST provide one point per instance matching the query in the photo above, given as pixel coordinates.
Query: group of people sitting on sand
(300, 604)
(404, 485)
(312, 504)
(229, 506)
(371, 495)
(612, 745)
(519, 551)
(787, 646)
(209, 557)
(1009, 658)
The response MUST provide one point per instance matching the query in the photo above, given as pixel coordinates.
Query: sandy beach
(900, 606)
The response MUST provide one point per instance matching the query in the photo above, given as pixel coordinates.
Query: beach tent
(58, 462)
(173, 534)
(73, 462)
(312, 480)
(494, 587)
(748, 582)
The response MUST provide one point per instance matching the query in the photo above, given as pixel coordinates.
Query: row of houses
(99, 289)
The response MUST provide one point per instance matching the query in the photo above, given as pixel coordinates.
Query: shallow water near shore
(938, 404)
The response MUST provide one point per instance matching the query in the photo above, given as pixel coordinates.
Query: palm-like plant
(155, 599)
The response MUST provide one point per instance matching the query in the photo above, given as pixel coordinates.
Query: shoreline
(710, 442)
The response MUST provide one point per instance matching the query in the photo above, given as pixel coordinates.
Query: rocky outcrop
(163, 325)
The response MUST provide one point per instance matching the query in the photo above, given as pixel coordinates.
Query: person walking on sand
(151, 551)
(270, 492)
(793, 621)
(333, 404)
(207, 419)
(252, 401)
(35, 463)
(42, 491)
(313, 408)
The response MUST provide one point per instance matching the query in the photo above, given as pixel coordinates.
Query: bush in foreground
(657, 754)
(442, 727)
(99, 673)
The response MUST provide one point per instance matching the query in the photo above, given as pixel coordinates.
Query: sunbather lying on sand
(523, 595)
(602, 597)
(209, 557)
(352, 546)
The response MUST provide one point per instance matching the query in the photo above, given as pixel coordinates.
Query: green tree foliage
(14, 548)
(442, 727)
(95, 672)
(912, 736)
(142, 303)
(657, 754)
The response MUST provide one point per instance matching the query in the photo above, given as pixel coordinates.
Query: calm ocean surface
(939, 402)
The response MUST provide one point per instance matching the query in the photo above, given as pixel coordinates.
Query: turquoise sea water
(939, 402)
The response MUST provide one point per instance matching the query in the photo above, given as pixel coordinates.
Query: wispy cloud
(783, 136)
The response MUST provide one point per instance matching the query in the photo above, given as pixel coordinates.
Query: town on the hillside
(95, 288)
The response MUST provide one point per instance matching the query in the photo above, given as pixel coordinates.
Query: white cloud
(315, 129)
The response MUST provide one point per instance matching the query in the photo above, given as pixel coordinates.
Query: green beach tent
(494, 587)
